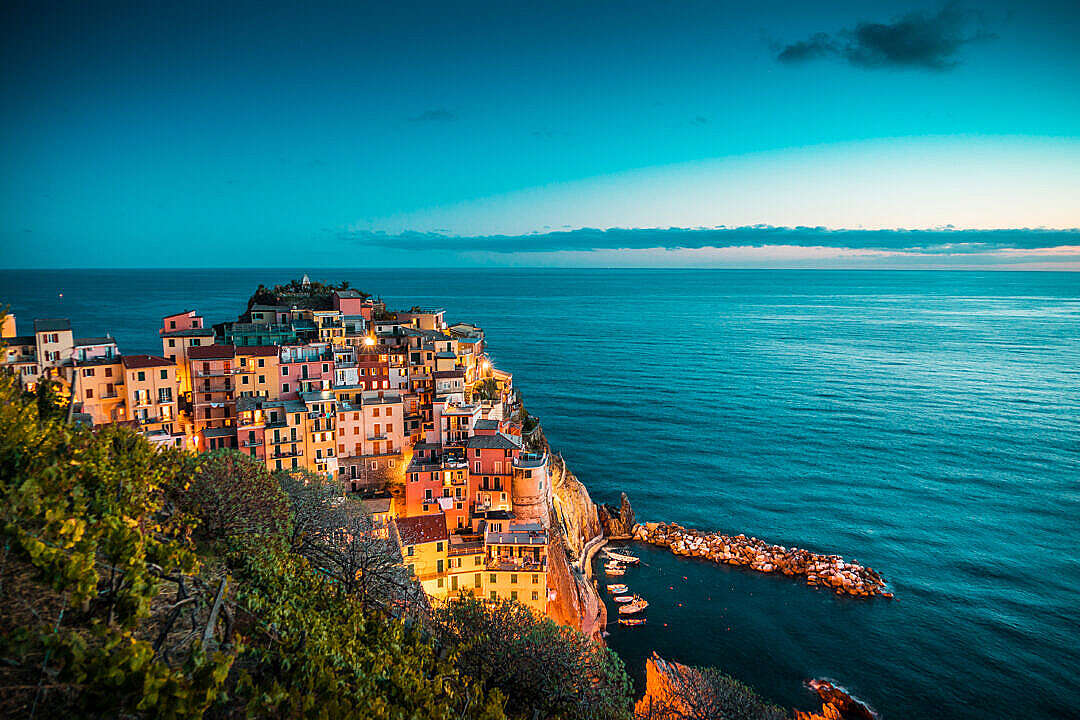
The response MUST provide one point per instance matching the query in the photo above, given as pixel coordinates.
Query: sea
(926, 424)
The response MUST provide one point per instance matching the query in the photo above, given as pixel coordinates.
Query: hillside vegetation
(145, 583)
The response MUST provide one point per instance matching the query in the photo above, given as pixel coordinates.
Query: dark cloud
(916, 40)
(435, 115)
(929, 242)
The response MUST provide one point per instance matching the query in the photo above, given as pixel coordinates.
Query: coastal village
(404, 409)
(411, 416)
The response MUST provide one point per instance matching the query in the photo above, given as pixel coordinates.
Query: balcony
(282, 441)
(284, 455)
(214, 373)
(517, 565)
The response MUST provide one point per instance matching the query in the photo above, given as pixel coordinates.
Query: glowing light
(369, 341)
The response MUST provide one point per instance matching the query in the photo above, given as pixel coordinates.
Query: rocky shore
(827, 571)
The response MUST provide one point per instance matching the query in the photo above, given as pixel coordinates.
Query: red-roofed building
(213, 393)
(423, 547)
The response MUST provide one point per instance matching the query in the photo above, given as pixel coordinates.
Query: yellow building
(424, 542)
(517, 565)
(100, 388)
(257, 371)
(150, 395)
(285, 434)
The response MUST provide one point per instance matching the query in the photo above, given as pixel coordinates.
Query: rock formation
(617, 522)
(837, 704)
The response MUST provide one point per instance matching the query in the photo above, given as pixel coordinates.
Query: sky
(491, 133)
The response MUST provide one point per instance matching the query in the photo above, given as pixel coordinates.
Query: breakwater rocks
(828, 571)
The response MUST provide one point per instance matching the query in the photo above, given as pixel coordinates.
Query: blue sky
(267, 134)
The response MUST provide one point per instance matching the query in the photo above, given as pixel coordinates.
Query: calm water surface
(926, 424)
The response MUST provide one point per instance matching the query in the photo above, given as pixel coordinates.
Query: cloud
(916, 40)
(435, 115)
(938, 242)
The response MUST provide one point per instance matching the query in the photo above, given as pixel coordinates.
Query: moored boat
(637, 605)
(617, 589)
(614, 571)
(623, 558)
(623, 598)
(631, 621)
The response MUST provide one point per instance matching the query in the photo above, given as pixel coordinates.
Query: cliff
(574, 528)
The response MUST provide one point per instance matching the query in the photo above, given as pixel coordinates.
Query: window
(476, 580)
(195, 342)
(478, 560)
(142, 376)
(326, 367)
(513, 578)
(165, 395)
(108, 372)
(439, 566)
(440, 579)
(493, 595)
(262, 379)
(164, 374)
(494, 578)
(89, 393)
(536, 579)
(245, 379)
(389, 411)
(412, 570)
(513, 594)
(172, 343)
(262, 363)
(438, 547)
(284, 387)
(535, 595)
(172, 324)
(284, 370)
(409, 550)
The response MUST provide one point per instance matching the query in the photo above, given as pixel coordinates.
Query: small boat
(620, 557)
(639, 603)
(623, 598)
(631, 621)
(617, 589)
(615, 571)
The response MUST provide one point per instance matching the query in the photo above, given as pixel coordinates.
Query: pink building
(305, 368)
(186, 320)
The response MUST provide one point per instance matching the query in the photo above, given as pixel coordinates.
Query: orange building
(150, 395)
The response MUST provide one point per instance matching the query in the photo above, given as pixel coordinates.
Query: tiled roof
(349, 293)
(260, 350)
(422, 529)
(500, 441)
(145, 361)
(447, 373)
(19, 340)
(486, 425)
(211, 352)
(95, 341)
(51, 325)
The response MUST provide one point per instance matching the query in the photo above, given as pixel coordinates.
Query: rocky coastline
(832, 572)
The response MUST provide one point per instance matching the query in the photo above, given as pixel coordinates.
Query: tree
(312, 497)
(233, 495)
(542, 668)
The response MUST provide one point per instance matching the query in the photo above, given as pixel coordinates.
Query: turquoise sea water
(924, 423)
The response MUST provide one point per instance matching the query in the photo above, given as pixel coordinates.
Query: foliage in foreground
(109, 608)
(540, 666)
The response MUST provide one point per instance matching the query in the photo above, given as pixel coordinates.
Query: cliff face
(573, 511)
(574, 524)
